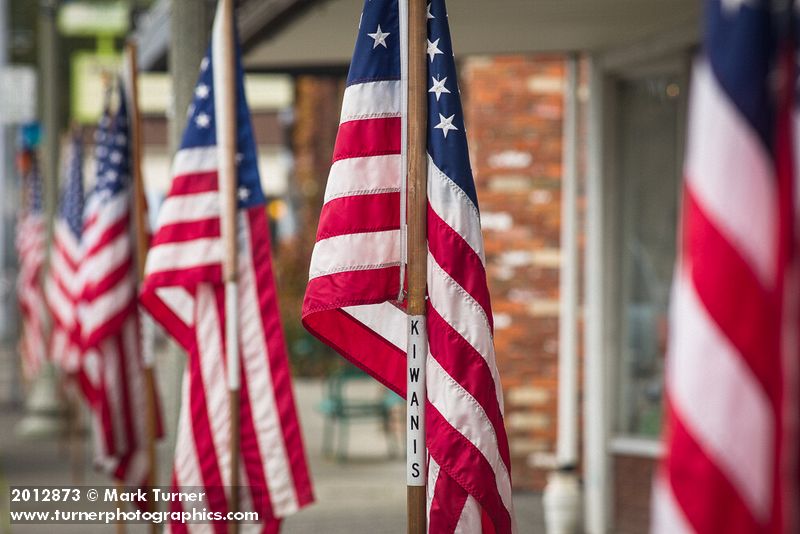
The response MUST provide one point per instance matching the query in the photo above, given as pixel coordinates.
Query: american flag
(30, 244)
(355, 279)
(184, 291)
(62, 287)
(108, 313)
(731, 435)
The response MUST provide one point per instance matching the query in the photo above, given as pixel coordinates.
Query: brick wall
(513, 108)
(632, 481)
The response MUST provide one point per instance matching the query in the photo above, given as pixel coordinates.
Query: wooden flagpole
(225, 71)
(417, 247)
(142, 246)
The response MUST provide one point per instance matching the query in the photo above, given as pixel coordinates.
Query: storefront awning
(290, 35)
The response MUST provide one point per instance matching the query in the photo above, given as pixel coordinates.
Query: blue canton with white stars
(377, 53)
(377, 57)
(201, 130)
(447, 137)
(113, 165)
(33, 188)
(71, 207)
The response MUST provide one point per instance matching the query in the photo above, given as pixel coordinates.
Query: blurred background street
(364, 494)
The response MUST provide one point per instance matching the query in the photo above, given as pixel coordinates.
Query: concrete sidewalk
(364, 495)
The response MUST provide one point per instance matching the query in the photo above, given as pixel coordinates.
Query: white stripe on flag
(730, 174)
(361, 176)
(255, 358)
(354, 252)
(465, 316)
(210, 348)
(195, 161)
(99, 221)
(65, 237)
(371, 100)
(94, 314)
(189, 208)
(470, 516)
(466, 416)
(184, 255)
(384, 319)
(702, 364)
(180, 301)
(102, 263)
(433, 477)
(667, 515)
(455, 208)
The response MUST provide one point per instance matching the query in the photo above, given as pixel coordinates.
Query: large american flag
(184, 291)
(30, 242)
(355, 279)
(62, 287)
(731, 436)
(107, 310)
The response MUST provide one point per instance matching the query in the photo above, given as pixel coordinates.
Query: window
(649, 143)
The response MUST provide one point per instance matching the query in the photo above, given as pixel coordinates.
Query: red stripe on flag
(723, 281)
(359, 214)
(706, 497)
(470, 370)
(348, 336)
(447, 505)
(369, 137)
(251, 457)
(458, 259)
(180, 331)
(203, 441)
(183, 277)
(457, 456)
(193, 183)
(351, 288)
(186, 231)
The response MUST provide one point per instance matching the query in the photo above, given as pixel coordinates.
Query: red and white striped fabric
(731, 378)
(183, 290)
(108, 313)
(62, 287)
(30, 243)
(355, 276)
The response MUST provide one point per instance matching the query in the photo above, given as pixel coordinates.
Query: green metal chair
(340, 407)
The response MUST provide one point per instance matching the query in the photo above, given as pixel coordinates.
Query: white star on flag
(203, 121)
(446, 124)
(439, 88)
(201, 91)
(380, 38)
(429, 13)
(204, 64)
(244, 194)
(433, 49)
(116, 157)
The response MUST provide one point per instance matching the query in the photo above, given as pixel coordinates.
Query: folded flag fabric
(30, 244)
(62, 287)
(184, 291)
(108, 313)
(351, 301)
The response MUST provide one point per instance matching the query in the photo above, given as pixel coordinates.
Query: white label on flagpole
(415, 401)
(232, 335)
